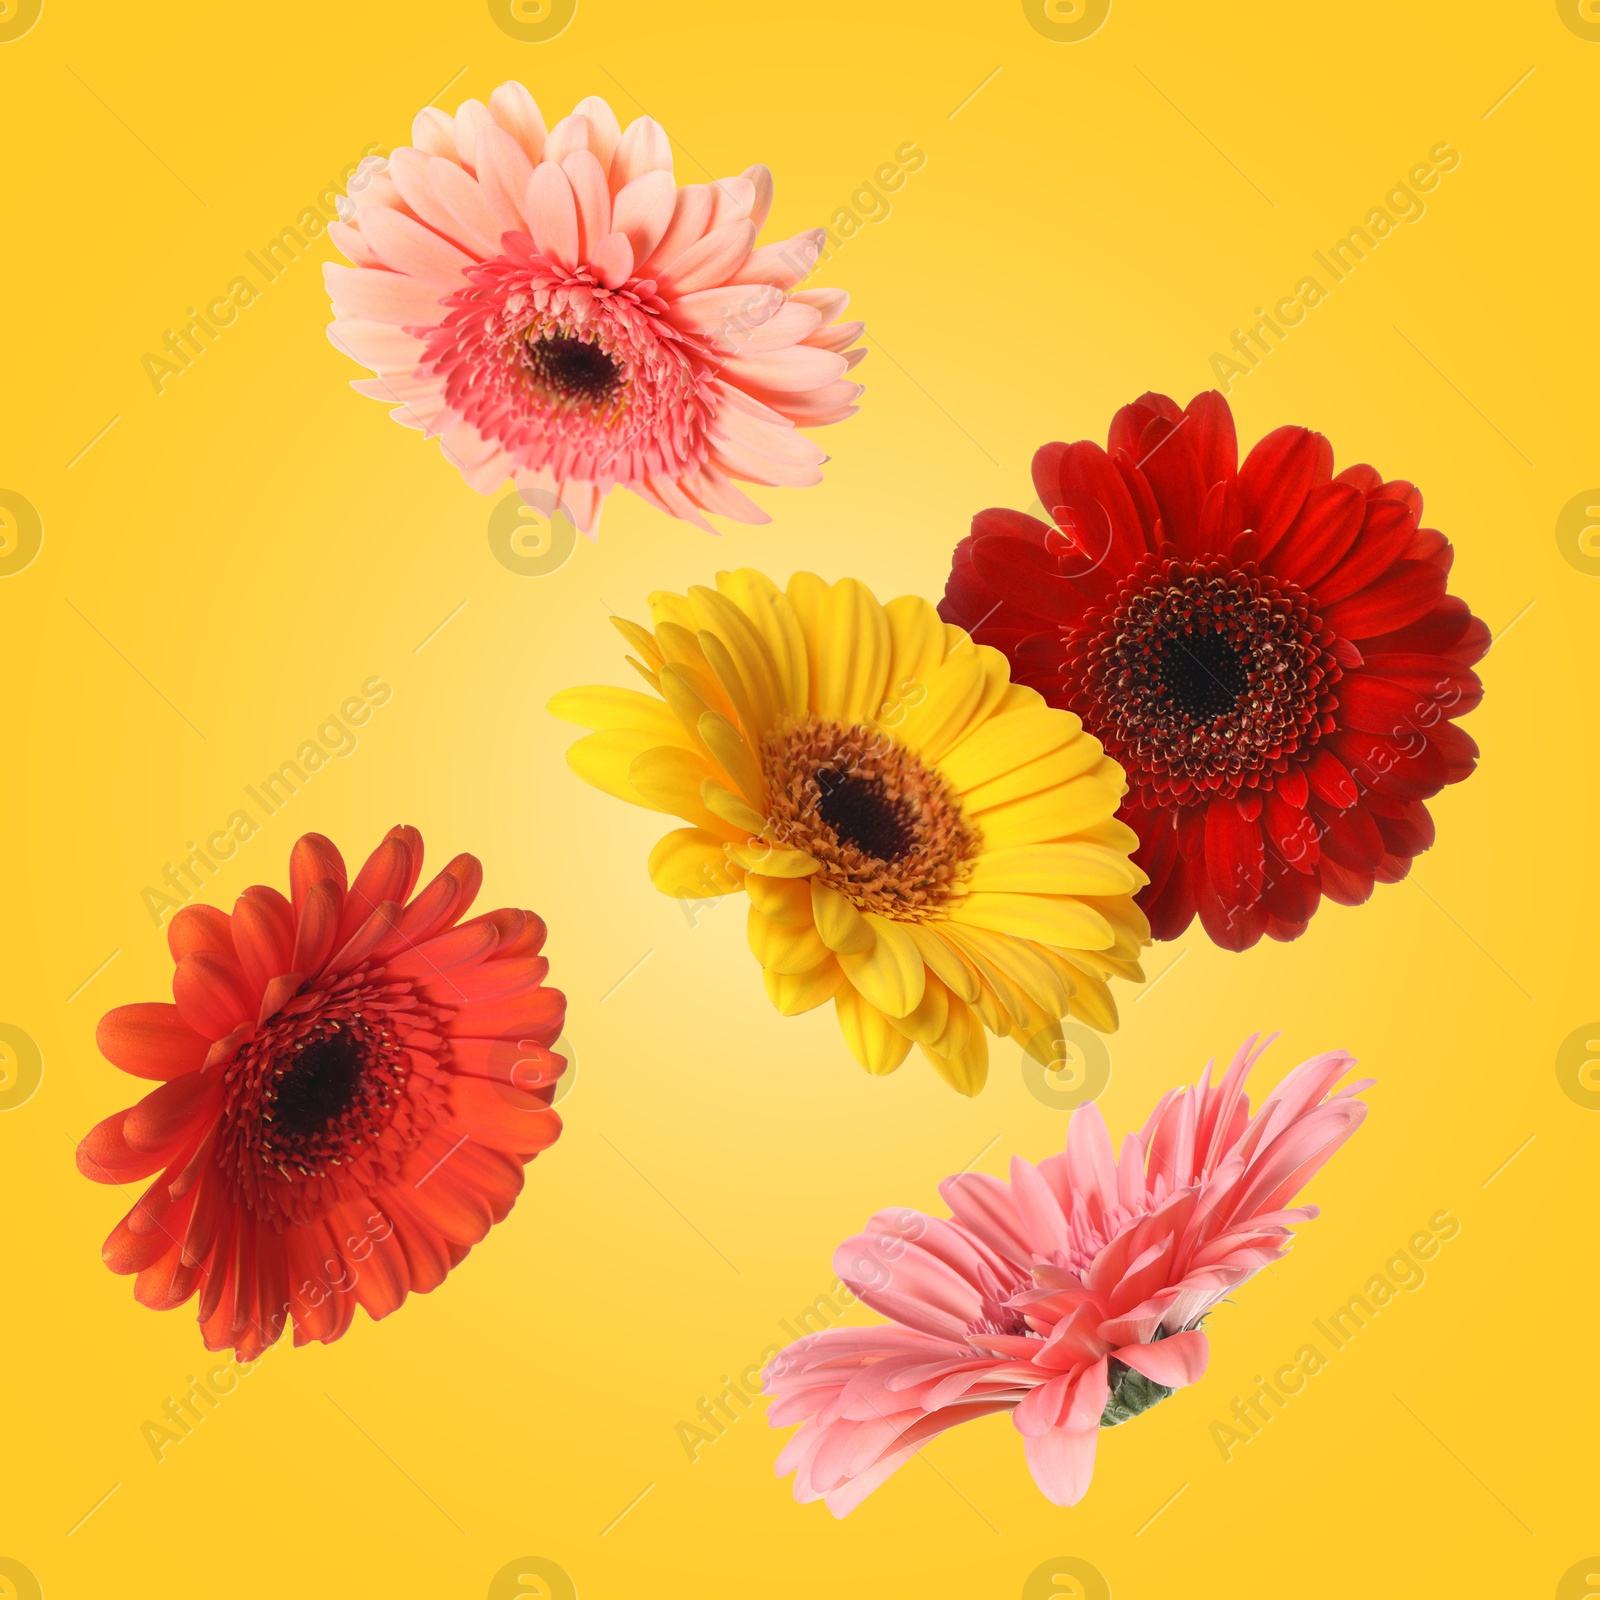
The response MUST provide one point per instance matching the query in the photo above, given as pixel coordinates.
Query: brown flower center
(573, 372)
(887, 831)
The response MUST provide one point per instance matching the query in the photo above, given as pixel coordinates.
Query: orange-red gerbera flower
(351, 1083)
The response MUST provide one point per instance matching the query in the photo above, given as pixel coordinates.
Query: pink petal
(1174, 1362)
(1062, 1463)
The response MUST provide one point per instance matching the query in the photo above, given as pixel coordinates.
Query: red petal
(263, 935)
(1233, 853)
(1168, 461)
(212, 993)
(313, 859)
(1275, 479)
(1328, 523)
(1386, 530)
(150, 1040)
(173, 1116)
(319, 925)
(1212, 437)
(199, 928)
(1407, 591)
(1330, 778)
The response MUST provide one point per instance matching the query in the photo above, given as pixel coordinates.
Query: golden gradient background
(236, 554)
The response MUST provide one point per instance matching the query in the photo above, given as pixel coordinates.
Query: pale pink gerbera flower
(559, 312)
(1070, 1297)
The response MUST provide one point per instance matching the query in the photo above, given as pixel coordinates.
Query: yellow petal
(642, 640)
(917, 637)
(688, 864)
(891, 974)
(965, 1065)
(670, 779)
(873, 1040)
(806, 594)
(734, 756)
(954, 691)
(1092, 1001)
(605, 760)
(752, 713)
(942, 958)
(1055, 869)
(1001, 744)
(842, 927)
(1052, 772)
(1015, 962)
(1051, 919)
(928, 1022)
(666, 607)
(756, 855)
(679, 690)
(781, 949)
(774, 619)
(782, 900)
(718, 615)
(795, 992)
(723, 803)
(1079, 808)
(854, 648)
(600, 706)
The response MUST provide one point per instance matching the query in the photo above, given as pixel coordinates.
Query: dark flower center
(1202, 679)
(575, 370)
(1204, 674)
(860, 813)
(887, 830)
(320, 1084)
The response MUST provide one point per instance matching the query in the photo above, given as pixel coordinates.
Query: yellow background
(235, 555)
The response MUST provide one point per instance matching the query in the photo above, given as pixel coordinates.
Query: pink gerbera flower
(1071, 1297)
(559, 312)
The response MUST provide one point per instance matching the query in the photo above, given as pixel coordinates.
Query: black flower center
(860, 813)
(321, 1084)
(574, 369)
(1204, 673)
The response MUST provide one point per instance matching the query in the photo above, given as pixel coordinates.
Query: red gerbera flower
(352, 1083)
(1267, 649)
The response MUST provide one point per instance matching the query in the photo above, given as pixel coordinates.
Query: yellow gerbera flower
(924, 842)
